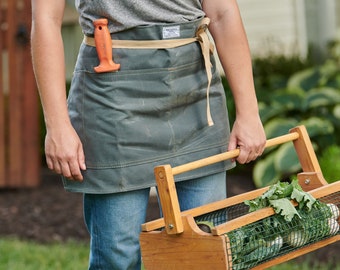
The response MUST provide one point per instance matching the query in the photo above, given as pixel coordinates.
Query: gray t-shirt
(125, 14)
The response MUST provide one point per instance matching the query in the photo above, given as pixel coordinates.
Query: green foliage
(279, 196)
(289, 228)
(18, 255)
(330, 163)
(309, 97)
(273, 71)
(308, 263)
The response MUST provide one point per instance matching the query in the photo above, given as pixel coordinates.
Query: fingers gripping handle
(103, 43)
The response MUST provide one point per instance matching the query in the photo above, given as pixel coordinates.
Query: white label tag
(171, 32)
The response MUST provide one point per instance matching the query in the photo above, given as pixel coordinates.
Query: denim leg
(113, 221)
(200, 191)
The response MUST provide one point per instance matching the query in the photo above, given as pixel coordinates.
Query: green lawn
(24, 255)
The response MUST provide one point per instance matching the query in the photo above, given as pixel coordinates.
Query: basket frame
(172, 242)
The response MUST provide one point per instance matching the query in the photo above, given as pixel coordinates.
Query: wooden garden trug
(176, 242)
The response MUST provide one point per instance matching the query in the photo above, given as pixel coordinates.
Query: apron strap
(207, 47)
(144, 44)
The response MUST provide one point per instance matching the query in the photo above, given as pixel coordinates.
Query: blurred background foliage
(291, 92)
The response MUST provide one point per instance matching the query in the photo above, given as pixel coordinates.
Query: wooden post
(15, 98)
(31, 161)
(2, 103)
(19, 122)
(169, 200)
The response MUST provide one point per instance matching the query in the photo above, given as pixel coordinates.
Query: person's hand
(64, 153)
(248, 135)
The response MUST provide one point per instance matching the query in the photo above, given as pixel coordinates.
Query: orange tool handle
(103, 43)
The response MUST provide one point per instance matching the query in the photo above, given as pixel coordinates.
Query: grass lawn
(25, 255)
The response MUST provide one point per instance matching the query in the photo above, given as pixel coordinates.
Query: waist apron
(151, 112)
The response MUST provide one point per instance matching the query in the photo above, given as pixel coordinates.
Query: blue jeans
(114, 220)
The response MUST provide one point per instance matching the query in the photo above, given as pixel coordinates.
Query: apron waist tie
(201, 36)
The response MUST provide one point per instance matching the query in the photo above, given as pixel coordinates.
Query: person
(162, 106)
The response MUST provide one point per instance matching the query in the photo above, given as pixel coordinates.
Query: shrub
(293, 92)
(329, 163)
(311, 97)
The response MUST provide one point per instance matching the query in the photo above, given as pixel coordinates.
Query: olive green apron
(152, 111)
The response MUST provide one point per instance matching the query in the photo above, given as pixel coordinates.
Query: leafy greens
(279, 195)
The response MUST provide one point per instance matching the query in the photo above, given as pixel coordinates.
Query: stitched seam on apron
(145, 71)
(155, 159)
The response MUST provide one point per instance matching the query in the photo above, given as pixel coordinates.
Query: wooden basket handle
(165, 174)
(229, 155)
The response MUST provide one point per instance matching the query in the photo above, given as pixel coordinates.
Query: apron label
(171, 32)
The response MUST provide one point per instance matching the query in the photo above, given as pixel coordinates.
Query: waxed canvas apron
(150, 112)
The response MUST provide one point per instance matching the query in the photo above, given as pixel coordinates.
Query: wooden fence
(19, 104)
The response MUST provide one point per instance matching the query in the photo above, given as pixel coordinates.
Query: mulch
(50, 214)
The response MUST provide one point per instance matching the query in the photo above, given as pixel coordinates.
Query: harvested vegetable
(236, 239)
(276, 244)
(205, 226)
(333, 226)
(279, 195)
(334, 210)
(249, 246)
(277, 241)
(291, 227)
(297, 238)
